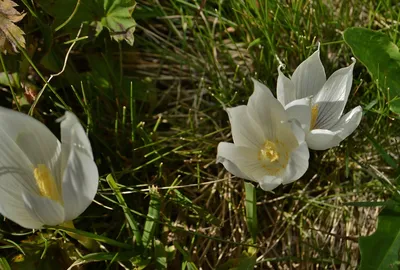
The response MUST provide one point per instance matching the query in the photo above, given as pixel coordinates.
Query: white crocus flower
(318, 103)
(267, 148)
(43, 181)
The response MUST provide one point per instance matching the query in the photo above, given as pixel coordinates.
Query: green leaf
(115, 15)
(382, 59)
(153, 216)
(380, 250)
(251, 210)
(118, 19)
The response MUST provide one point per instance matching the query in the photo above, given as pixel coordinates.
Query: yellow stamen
(268, 151)
(46, 183)
(274, 156)
(314, 115)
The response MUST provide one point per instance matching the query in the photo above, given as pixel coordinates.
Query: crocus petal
(285, 89)
(244, 159)
(322, 139)
(73, 135)
(309, 76)
(32, 137)
(300, 109)
(269, 183)
(80, 181)
(44, 210)
(266, 111)
(333, 96)
(297, 131)
(245, 131)
(224, 151)
(11, 203)
(15, 164)
(298, 164)
(348, 122)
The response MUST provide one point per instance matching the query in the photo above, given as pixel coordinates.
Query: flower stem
(88, 243)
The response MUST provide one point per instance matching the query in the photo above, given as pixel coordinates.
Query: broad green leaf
(382, 59)
(115, 15)
(118, 19)
(251, 210)
(380, 250)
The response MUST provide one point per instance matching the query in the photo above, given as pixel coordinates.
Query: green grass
(154, 114)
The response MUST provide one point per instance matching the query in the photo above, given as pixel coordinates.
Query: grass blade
(4, 264)
(153, 216)
(94, 236)
(128, 215)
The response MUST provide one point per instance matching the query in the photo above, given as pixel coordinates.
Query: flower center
(268, 152)
(46, 183)
(274, 156)
(314, 115)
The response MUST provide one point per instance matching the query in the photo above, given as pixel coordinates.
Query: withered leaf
(10, 34)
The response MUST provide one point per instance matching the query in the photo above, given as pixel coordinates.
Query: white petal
(265, 110)
(245, 131)
(37, 142)
(298, 132)
(44, 210)
(300, 109)
(348, 122)
(285, 91)
(285, 134)
(223, 152)
(14, 163)
(298, 164)
(16, 177)
(11, 202)
(80, 182)
(245, 159)
(73, 135)
(333, 96)
(309, 76)
(269, 183)
(322, 139)
(70, 126)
